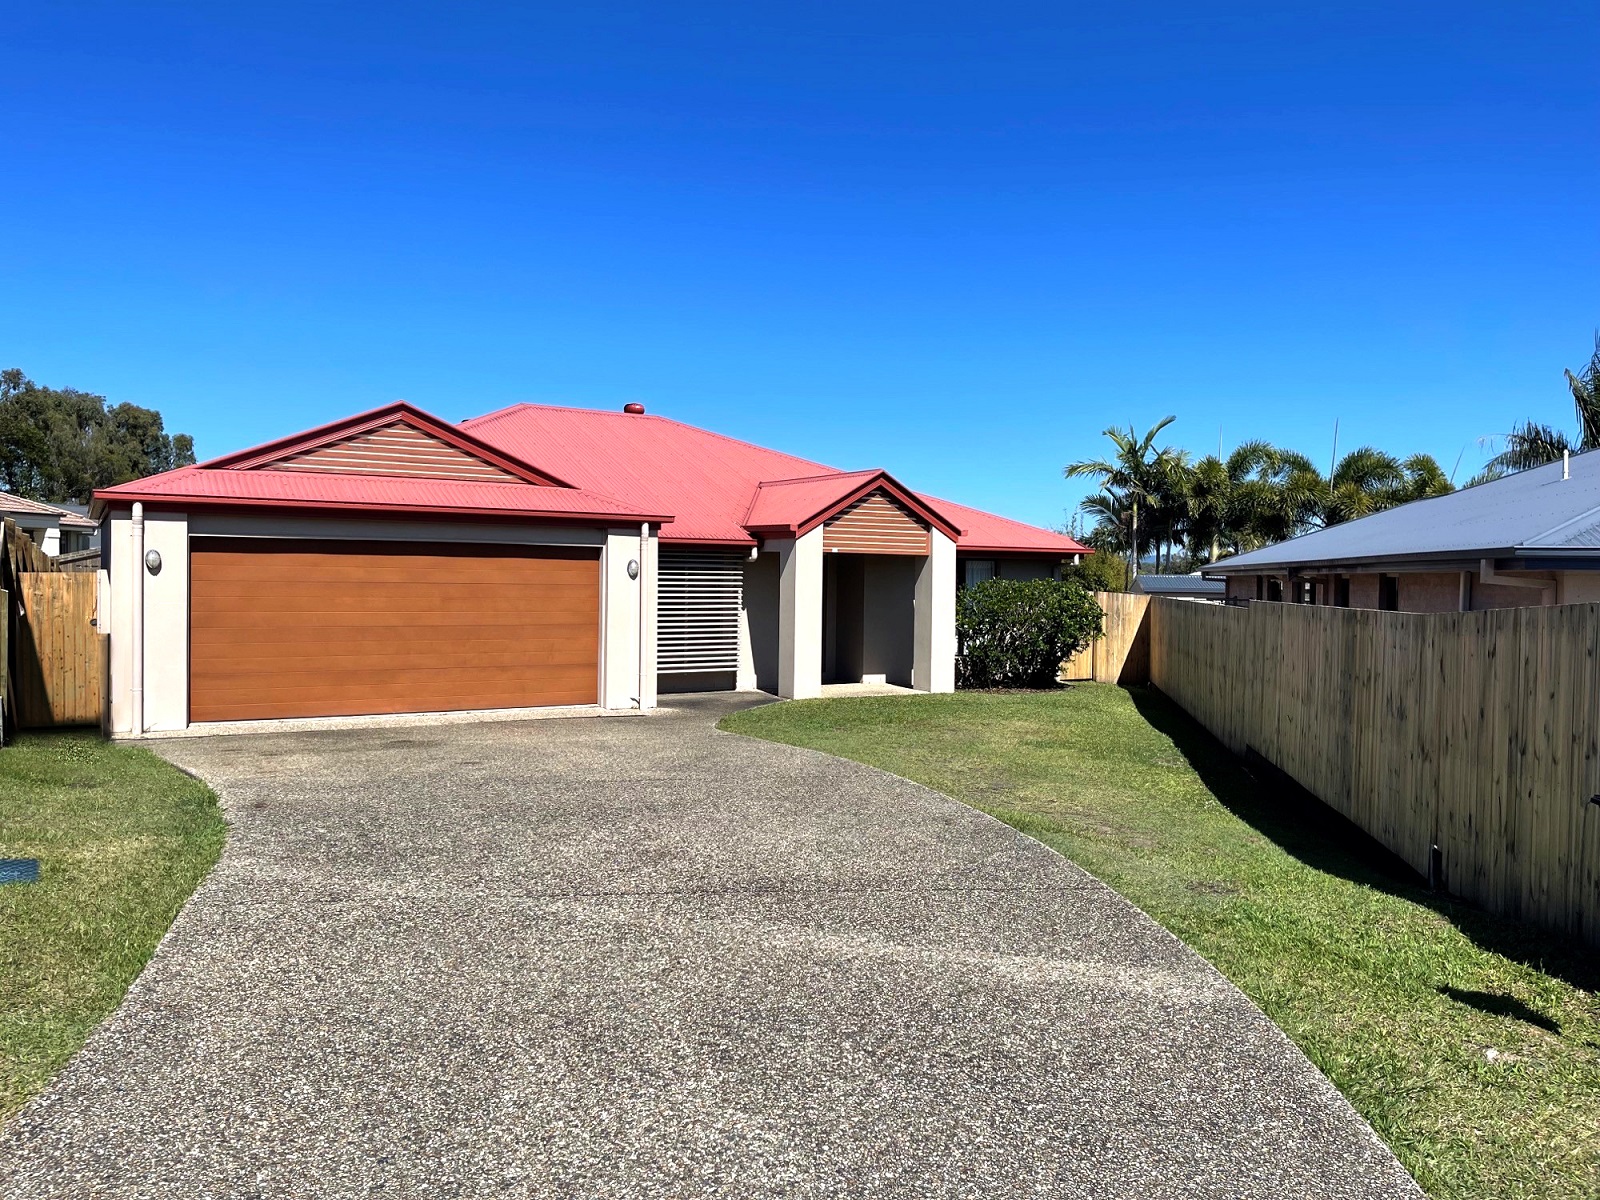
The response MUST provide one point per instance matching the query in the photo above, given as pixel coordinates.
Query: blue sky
(953, 241)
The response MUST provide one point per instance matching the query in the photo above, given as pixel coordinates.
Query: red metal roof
(234, 488)
(796, 506)
(709, 482)
(983, 532)
(704, 479)
(582, 465)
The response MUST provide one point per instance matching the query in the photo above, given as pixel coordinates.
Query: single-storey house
(53, 528)
(538, 556)
(1526, 539)
(1181, 587)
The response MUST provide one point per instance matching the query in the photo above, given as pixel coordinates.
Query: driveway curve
(638, 957)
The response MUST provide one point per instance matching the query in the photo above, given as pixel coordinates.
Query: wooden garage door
(317, 629)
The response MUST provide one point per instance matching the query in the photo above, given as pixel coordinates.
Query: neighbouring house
(1182, 587)
(54, 528)
(537, 556)
(1527, 539)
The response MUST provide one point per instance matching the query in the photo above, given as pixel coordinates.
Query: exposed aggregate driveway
(635, 957)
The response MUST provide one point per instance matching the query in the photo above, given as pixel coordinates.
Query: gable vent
(876, 524)
(699, 594)
(397, 449)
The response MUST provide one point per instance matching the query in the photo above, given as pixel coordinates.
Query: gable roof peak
(317, 449)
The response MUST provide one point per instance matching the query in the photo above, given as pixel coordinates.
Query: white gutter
(1487, 574)
(136, 537)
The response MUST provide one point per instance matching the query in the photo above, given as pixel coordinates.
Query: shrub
(1100, 573)
(1016, 634)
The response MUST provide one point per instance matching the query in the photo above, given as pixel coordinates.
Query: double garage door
(316, 629)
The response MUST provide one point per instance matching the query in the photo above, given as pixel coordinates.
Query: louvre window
(699, 594)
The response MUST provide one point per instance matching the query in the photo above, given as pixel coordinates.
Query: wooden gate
(59, 657)
(1122, 655)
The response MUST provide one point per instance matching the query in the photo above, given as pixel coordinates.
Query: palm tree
(1532, 444)
(1425, 478)
(1369, 480)
(1220, 497)
(1280, 498)
(1135, 474)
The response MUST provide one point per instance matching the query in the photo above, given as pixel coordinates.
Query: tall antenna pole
(1333, 463)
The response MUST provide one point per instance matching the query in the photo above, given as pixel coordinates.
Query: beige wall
(888, 617)
(758, 626)
(1578, 587)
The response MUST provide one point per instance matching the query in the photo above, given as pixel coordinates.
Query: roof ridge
(825, 475)
(1537, 539)
(650, 416)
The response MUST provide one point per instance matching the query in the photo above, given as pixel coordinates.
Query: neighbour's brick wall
(1437, 591)
(1363, 591)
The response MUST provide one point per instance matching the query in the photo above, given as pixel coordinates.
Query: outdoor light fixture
(152, 561)
(633, 568)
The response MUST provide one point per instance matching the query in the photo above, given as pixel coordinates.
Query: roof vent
(636, 409)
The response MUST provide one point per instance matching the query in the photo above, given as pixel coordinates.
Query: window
(978, 570)
(1274, 589)
(1389, 593)
(1341, 591)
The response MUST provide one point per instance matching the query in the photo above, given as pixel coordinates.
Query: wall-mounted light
(152, 561)
(633, 568)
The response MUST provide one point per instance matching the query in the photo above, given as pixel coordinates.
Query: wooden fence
(1123, 654)
(59, 657)
(1476, 733)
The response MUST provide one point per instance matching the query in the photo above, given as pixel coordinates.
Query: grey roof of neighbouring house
(1530, 515)
(14, 506)
(1179, 585)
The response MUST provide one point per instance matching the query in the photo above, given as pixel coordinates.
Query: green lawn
(122, 838)
(1472, 1044)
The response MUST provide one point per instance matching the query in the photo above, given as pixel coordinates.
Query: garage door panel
(394, 570)
(413, 596)
(485, 662)
(287, 641)
(407, 624)
(294, 629)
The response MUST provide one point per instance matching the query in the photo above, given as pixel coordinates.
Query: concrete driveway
(637, 957)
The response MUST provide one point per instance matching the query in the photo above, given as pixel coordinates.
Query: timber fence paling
(1122, 653)
(59, 658)
(1475, 732)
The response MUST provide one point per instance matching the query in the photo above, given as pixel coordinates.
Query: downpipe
(136, 692)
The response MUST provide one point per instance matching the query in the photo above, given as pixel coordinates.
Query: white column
(116, 617)
(934, 667)
(652, 576)
(800, 616)
(624, 623)
(166, 622)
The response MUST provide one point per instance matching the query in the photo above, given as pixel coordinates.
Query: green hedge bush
(1016, 634)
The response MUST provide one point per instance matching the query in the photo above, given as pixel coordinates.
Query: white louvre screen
(697, 616)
